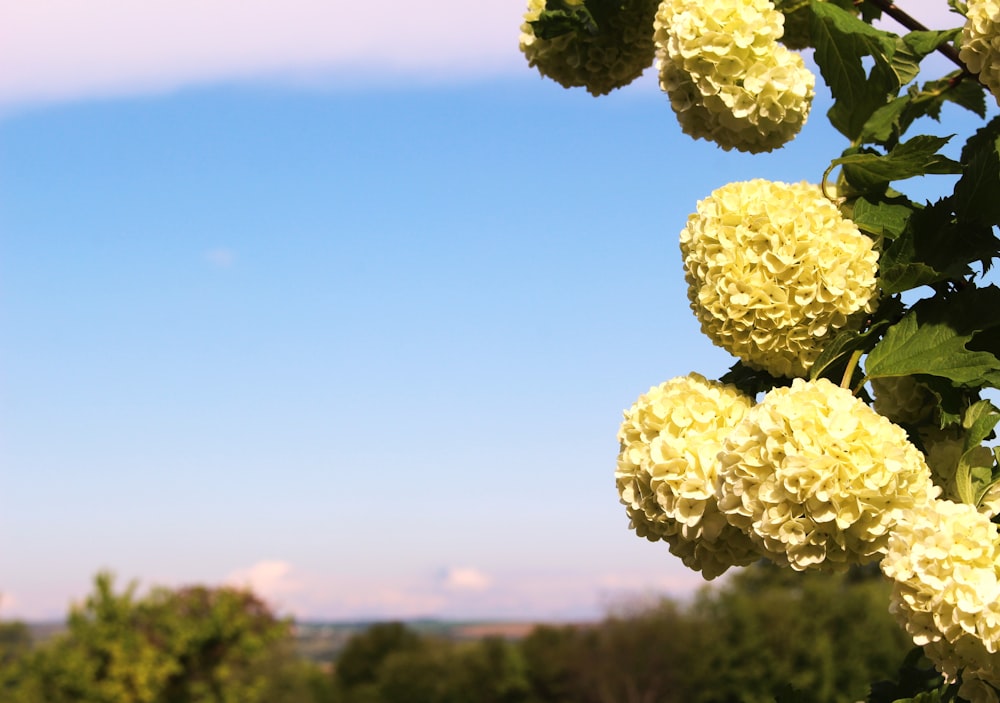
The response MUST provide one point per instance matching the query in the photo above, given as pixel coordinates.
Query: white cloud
(462, 578)
(270, 579)
(65, 49)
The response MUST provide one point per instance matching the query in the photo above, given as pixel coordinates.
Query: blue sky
(357, 336)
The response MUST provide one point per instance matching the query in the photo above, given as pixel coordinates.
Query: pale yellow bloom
(817, 478)
(612, 58)
(667, 471)
(980, 43)
(728, 78)
(943, 562)
(774, 271)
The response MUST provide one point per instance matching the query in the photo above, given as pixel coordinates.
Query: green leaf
(976, 191)
(951, 402)
(886, 124)
(934, 248)
(919, 44)
(979, 421)
(974, 475)
(882, 218)
(832, 361)
(975, 468)
(871, 172)
(841, 41)
(933, 339)
(752, 381)
(970, 95)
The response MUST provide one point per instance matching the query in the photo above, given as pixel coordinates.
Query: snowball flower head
(903, 399)
(616, 55)
(668, 470)
(943, 563)
(980, 43)
(817, 478)
(774, 271)
(728, 79)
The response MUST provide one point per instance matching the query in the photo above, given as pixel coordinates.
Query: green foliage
(824, 636)
(192, 645)
(841, 40)
(767, 633)
(361, 661)
(944, 337)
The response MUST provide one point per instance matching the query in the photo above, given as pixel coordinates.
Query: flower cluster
(728, 78)
(817, 478)
(668, 470)
(980, 48)
(944, 562)
(902, 399)
(614, 56)
(774, 270)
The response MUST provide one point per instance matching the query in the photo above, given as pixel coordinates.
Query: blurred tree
(552, 656)
(640, 655)
(490, 670)
(193, 645)
(826, 636)
(360, 663)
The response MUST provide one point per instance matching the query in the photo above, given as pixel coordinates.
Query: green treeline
(765, 633)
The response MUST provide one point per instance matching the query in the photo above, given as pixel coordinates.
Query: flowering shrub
(943, 560)
(873, 290)
(774, 271)
(981, 43)
(667, 471)
(728, 79)
(817, 478)
(600, 62)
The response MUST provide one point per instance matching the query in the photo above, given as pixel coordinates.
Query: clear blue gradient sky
(363, 347)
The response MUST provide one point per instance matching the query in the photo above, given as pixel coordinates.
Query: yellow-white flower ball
(668, 469)
(774, 271)
(728, 79)
(943, 562)
(903, 399)
(817, 478)
(980, 43)
(613, 57)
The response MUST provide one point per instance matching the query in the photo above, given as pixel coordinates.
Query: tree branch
(889, 8)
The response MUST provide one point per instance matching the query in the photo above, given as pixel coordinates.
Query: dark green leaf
(751, 381)
(870, 172)
(933, 339)
(976, 193)
(841, 41)
(968, 94)
(934, 248)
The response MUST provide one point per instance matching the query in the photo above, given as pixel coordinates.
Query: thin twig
(913, 25)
